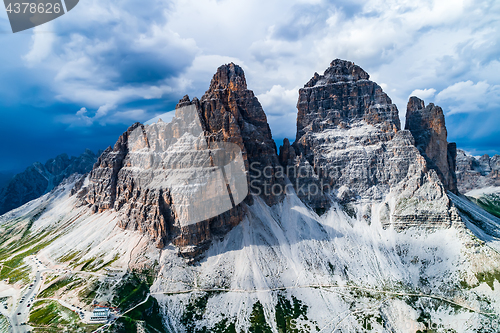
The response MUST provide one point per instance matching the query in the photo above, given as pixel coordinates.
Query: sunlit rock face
(187, 181)
(231, 113)
(184, 181)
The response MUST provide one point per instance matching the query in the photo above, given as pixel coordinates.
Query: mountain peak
(229, 76)
(427, 125)
(344, 95)
(339, 71)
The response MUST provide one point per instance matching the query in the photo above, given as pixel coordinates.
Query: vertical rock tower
(132, 178)
(348, 138)
(426, 124)
(231, 113)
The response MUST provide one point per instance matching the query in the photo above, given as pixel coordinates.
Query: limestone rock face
(148, 176)
(475, 173)
(231, 113)
(348, 136)
(349, 144)
(341, 96)
(422, 201)
(427, 125)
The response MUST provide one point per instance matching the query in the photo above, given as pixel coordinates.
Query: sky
(79, 81)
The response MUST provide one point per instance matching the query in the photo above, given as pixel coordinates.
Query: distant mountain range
(39, 179)
(474, 173)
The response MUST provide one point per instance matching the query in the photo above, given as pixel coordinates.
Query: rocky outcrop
(39, 178)
(427, 125)
(146, 176)
(348, 138)
(349, 144)
(473, 173)
(349, 147)
(422, 202)
(341, 96)
(231, 113)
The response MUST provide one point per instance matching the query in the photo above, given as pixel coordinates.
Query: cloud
(465, 96)
(125, 61)
(82, 118)
(104, 115)
(280, 107)
(423, 93)
(103, 110)
(128, 54)
(42, 43)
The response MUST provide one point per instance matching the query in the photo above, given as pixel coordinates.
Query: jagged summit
(342, 96)
(368, 220)
(427, 125)
(227, 112)
(339, 71)
(475, 173)
(350, 141)
(230, 76)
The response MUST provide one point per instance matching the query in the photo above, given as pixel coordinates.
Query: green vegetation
(70, 257)
(50, 313)
(489, 278)
(149, 313)
(258, 322)
(50, 316)
(287, 312)
(58, 285)
(194, 311)
(149, 274)
(224, 327)
(490, 203)
(31, 221)
(15, 270)
(88, 264)
(131, 291)
(17, 245)
(88, 293)
(103, 265)
(4, 324)
(349, 210)
(368, 321)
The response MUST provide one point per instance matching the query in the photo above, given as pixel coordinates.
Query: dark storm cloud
(82, 79)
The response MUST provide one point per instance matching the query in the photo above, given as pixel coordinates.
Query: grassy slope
(490, 203)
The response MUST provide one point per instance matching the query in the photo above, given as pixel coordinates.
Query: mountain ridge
(385, 247)
(39, 178)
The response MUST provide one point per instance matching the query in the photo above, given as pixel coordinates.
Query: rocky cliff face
(350, 146)
(141, 176)
(348, 138)
(427, 125)
(475, 173)
(39, 179)
(231, 113)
